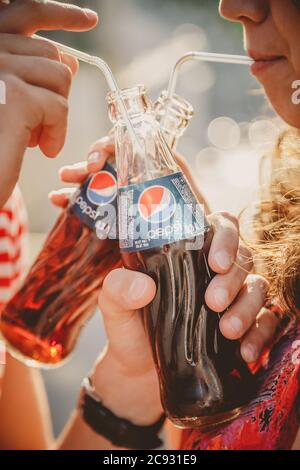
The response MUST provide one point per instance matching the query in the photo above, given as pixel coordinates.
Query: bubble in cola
(41, 324)
(163, 232)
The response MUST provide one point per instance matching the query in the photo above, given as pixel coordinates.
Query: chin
(281, 102)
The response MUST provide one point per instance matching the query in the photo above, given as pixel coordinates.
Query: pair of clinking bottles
(162, 231)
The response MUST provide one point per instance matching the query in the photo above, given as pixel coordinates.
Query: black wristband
(119, 431)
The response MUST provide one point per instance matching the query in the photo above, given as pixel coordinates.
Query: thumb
(123, 293)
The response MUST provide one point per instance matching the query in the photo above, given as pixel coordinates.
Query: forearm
(24, 411)
(127, 397)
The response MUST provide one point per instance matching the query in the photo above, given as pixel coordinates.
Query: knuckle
(66, 73)
(63, 106)
(102, 144)
(50, 51)
(245, 256)
(256, 292)
(14, 86)
(271, 323)
(66, 77)
(224, 219)
(259, 282)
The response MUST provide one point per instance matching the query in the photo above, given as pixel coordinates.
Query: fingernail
(235, 324)
(250, 352)
(94, 157)
(137, 288)
(223, 259)
(68, 192)
(221, 297)
(80, 167)
(90, 13)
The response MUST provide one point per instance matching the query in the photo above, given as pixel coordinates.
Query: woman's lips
(262, 64)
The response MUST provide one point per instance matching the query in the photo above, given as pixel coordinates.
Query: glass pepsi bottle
(164, 233)
(43, 321)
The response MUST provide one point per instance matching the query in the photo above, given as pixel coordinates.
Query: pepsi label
(159, 212)
(95, 203)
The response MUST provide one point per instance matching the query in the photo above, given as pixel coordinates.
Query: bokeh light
(224, 133)
(206, 158)
(262, 133)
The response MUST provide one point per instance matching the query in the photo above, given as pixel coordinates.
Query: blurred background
(232, 126)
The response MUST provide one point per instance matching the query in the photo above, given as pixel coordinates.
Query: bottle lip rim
(136, 90)
(177, 98)
(185, 109)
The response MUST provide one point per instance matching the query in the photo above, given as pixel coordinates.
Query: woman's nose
(243, 10)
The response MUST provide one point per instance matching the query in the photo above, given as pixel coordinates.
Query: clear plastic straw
(111, 81)
(204, 57)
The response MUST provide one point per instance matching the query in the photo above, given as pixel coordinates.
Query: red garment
(271, 420)
(13, 253)
(13, 246)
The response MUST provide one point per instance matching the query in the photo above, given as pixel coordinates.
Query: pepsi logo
(157, 204)
(102, 188)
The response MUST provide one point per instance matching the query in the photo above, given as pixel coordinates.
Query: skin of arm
(24, 411)
(32, 99)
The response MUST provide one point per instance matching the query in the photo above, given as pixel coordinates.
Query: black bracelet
(119, 431)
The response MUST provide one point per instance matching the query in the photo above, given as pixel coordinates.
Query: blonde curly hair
(277, 221)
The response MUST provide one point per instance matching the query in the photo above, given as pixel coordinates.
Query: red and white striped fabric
(14, 252)
(13, 246)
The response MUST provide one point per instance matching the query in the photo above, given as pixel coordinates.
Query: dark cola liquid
(43, 320)
(203, 379)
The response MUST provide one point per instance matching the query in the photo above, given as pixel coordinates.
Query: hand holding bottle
(128, 355)
(35, 82)
(127, 363)
(243, 294)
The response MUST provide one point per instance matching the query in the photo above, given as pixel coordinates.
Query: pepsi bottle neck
(155, 159)
(174, 115)
(135, 101)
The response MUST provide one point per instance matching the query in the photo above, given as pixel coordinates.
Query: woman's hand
(35, 80)
(127, 364)
(234, 289)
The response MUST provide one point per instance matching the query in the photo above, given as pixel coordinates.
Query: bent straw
(204, 57)
(107, 72)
